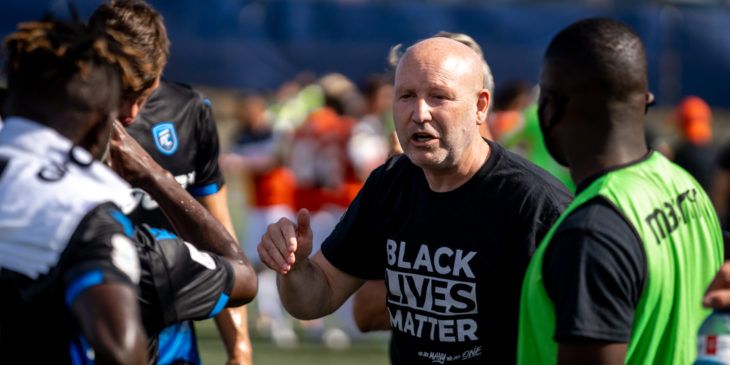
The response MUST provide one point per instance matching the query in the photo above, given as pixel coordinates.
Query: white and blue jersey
(61, 232)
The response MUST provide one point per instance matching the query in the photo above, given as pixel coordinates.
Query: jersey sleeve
(180, 281)
(100, 251)
(594, 271)
(349, 246)
(541, 206)
(209, 178)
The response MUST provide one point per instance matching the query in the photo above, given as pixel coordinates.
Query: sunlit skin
(438, 105)
(132, 103)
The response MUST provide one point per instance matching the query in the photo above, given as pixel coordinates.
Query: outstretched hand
(718, 293)
(286, 243)
(128, 159)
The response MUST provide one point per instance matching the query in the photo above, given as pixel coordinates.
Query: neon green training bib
(683, 243)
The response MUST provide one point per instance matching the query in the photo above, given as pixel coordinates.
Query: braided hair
(66, 65)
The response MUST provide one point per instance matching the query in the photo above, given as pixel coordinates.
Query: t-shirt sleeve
(594, 271)
(209, 178)
(100, 251)
(186, 282)
(350, 245)
(540, 210)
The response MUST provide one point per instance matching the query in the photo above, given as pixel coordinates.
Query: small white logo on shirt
(201, 257)
(124, 257)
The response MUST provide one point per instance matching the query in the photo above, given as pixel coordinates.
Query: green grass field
(370, 351)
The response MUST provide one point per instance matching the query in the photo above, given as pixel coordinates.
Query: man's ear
(484, 99)
(649, 101)
(650, 98)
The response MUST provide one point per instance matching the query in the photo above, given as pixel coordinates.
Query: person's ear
(650, 101)
(484, 99)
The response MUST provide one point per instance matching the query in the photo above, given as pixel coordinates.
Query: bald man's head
(456, 58)
(439, 102)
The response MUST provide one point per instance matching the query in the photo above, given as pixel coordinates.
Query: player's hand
(718, 293)
(129, 160)
(286, 243)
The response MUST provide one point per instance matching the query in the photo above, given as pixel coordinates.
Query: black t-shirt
(453, 262)
(37, 326)
(177, 129)
(594, 272)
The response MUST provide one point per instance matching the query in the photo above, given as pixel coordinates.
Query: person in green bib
(621, 275)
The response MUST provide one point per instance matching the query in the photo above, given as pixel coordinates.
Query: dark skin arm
(190, 219)
(109, 318)
(591, 352)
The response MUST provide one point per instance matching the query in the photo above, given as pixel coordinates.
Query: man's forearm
(303, 291)
(315, 288)
(193, 222)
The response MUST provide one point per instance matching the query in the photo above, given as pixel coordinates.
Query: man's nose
(422, 112)
(128, 109)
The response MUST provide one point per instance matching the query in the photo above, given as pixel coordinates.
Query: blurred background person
(696, 151)
(258, 157)
(509, 102)
(515, 121)
(368, 146)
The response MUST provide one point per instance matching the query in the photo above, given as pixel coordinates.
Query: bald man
(620, 278)
(450, 224)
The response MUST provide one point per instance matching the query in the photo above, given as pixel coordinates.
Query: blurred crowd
(310, 145)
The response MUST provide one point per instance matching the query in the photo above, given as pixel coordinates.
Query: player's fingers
(717, 299)
(288, 235)
(118, 131)
(282, 235)
(721, 280)
(271, 257)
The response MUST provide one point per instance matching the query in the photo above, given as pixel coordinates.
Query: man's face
(551, 109)
(435, 108)
(132, 103)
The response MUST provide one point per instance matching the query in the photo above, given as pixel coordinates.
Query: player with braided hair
(73, 268)
(77, 290)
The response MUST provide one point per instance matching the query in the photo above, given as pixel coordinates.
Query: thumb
(303, 223)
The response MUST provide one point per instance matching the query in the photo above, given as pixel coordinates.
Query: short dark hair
(142, 28)
(68, 65)
(607, 53)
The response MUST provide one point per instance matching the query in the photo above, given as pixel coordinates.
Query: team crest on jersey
(165, 138)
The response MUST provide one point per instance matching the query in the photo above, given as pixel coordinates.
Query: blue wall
(258, 45)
